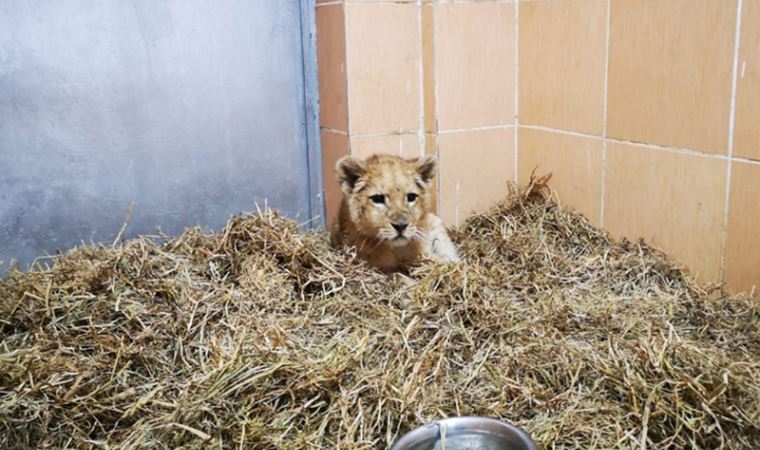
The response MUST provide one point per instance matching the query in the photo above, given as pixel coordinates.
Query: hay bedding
(263, 337)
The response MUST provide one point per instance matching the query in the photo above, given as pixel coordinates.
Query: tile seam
(421, 61)
(603, 192)
(320, 5)
(334, 131)
(517, 93)
(481, 128)
(436, 112)
(664, 148)
(346, 73)
(731, 126)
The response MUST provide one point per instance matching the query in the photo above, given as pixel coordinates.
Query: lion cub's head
(387, 196)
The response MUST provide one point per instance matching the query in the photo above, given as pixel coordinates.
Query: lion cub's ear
(348, 170)
(426, 168)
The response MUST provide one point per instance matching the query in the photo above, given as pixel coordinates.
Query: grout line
(346, 74)
(603, 200)
(334, 131)
(421, 61)
(560, 131)
(663, 148)
(604, 118)
(517, 91)
(483, 128)
(745, 160)
(414, 132)
(731, 124)
(517, 153)
(338, 2)
(436, 104)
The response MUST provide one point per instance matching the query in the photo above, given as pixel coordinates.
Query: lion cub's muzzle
(400, 227)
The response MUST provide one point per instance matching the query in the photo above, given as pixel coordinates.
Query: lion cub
(385, 212)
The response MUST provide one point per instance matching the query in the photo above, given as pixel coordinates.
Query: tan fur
(368, 226)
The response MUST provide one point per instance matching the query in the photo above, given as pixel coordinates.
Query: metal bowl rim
(470, 422)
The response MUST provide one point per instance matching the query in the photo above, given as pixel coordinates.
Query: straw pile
(262, 337)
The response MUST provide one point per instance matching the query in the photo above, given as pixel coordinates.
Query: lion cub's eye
(377, 199)
(411, 197)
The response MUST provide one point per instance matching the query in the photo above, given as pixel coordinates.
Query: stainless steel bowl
(466, 433)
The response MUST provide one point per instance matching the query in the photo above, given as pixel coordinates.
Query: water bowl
(466, 433)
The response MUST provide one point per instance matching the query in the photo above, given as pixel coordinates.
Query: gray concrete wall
(192, 109)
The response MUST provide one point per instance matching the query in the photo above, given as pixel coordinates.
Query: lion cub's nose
(400, 226)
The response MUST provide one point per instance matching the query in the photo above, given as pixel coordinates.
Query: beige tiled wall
(675, 200)
(474, 168)
(422, 77)
(370, 82)
(333, 95)
(645, 111)
(670, 72)
(575, 163)
(648, 86)
(562, 58)
(747, 130)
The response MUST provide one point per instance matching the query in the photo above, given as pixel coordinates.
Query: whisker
(419, 234)
(380, 240)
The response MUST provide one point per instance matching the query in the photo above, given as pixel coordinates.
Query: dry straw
(262, 337)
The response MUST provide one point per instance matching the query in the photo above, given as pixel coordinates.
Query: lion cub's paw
(440, 247)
